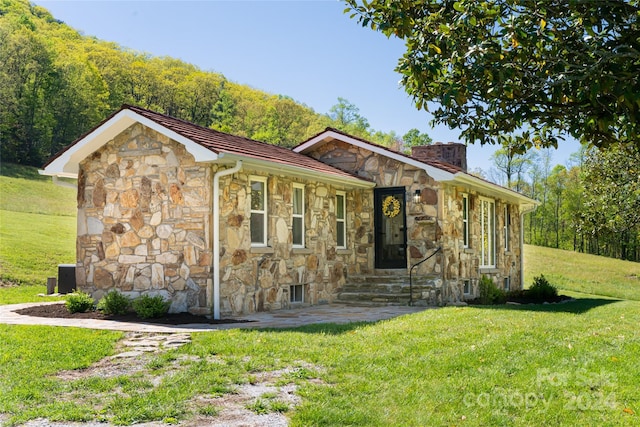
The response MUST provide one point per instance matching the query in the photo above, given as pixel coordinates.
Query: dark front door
(390, 227)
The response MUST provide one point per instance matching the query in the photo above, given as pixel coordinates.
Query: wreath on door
(390, 207)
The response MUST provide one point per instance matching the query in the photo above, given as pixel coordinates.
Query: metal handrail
(411, 274)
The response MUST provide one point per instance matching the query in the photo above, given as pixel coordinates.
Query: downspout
(216, 232)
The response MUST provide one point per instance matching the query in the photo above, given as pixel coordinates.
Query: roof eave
(494, 190)
(432, 171)
(66, 165)
(296, 171)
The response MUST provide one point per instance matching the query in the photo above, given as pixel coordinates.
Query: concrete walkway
(331, 313)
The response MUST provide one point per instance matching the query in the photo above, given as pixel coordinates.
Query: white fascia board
(432, 171)
(67, 164)
(296, 171)
(494, 190)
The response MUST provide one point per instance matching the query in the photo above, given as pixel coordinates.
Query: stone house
(220, 224)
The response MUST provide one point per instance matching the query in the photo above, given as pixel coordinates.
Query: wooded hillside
(56, 84)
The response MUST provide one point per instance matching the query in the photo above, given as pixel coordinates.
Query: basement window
(466, 287)
(296, 293)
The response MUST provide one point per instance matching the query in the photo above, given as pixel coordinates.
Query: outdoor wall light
(417, 196)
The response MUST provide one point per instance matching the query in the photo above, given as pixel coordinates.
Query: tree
(611, 214)
(413, 138)
(537, 70)
(347, 117)
(511, 163)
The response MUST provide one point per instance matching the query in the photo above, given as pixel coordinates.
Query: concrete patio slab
(329, 313)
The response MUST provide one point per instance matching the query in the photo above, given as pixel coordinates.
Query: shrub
(79, 302)
(147, 307)
(114, 303)
(542, 290)
(490, 293)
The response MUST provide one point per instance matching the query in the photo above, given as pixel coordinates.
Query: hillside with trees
(56, 84)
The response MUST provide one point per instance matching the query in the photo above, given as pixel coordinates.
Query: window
(296, 293)
(507, 283)
(466, 287)
(465, 220)
(488, 232)
(507, 223)
(341, 229)
(298, 216)
(258, 211)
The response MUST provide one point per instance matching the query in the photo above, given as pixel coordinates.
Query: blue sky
(308, 50)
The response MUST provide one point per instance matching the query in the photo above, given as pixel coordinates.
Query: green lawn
(568, 364)
(37, 226)
(583, 273)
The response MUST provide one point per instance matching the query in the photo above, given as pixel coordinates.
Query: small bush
(490, 293)
(542, 290)
(114, 303)
(147, 307)
(79, 302)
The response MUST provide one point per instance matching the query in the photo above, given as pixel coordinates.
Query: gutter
(216, 231)
(299, 171)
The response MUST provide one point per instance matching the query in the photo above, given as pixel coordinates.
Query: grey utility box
(66, 278)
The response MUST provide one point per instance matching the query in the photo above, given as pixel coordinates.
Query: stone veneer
(435, 221)
(144, 209)
(259, 278)
(144, 227)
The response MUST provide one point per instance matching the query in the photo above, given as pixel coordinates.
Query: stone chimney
(453, 153)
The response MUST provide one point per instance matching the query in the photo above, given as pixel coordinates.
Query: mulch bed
(60, 311)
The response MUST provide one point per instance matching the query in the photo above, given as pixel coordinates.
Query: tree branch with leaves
(536, 70)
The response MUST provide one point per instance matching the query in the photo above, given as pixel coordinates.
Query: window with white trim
(341, 226)
(507, 223)
(488, 233)
(258, 211)
(298, 216)
(465, 220)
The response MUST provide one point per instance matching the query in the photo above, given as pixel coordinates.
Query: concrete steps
(388, 289)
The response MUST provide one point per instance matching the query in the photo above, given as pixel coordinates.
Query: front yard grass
(567, 364)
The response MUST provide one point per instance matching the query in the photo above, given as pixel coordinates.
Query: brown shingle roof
(220, 142)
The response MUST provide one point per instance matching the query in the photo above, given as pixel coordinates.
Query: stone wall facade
(144, 227)
(423, 220)
(463, 263)
(259, 278)
(144, 215)
(435, 221)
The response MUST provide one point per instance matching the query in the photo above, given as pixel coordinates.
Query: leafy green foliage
(489, 292)
(79, 302)
(533, 70)
(56, 84)
(542, 290)
(611, 214)
(414, 138)
(147, 307)
(114, 303)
